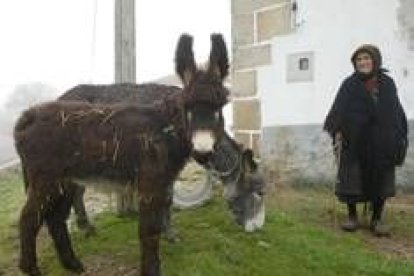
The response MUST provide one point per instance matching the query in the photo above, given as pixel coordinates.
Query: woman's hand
(338, 136)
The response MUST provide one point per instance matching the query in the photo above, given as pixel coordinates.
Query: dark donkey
(244, 180)
(241, 178)
(143, 145)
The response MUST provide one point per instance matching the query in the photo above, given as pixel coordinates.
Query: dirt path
(317, 207)
(106, 265)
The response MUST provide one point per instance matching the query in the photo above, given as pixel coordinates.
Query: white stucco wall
(332, 29)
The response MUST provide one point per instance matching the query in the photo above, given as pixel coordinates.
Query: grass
(297, 240)
(11, 196)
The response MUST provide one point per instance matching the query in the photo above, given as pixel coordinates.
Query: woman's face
(364, 63)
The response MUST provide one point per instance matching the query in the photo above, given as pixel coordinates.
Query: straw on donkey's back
(81, 137)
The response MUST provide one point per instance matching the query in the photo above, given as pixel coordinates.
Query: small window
(300, 67)
(303, 64)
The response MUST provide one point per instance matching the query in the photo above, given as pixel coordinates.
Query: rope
(224, 157)
(224, 173)
(228, 173)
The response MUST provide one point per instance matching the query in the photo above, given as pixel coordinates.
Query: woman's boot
(351, 224)
(377, 226)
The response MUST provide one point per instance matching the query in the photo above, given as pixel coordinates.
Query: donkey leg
(82, 220)
(31, 219)
(56, 223)
(150, 227)
(152, 205)
(170, 233)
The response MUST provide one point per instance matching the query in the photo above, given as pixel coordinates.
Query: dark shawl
(374, 136)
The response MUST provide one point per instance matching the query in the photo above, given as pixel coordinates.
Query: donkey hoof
(74, 265)
(30, 270)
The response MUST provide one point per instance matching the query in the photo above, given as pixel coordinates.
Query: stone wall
(303, 154)
(293, 154)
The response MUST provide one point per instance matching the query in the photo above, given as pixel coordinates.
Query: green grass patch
(293, 242)
(11, 198)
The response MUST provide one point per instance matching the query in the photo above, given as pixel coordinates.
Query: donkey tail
(26, 119)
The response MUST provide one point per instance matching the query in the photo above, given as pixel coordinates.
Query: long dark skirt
(351, 187)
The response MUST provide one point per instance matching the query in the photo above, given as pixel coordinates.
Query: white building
(289, 58)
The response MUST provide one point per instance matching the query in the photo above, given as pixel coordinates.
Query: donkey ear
(218, 62)
(248, 160)
(184, 59)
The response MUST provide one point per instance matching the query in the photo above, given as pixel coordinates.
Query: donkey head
(245, 196)
(203, 91)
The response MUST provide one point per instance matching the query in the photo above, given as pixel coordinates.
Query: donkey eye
(189, 116)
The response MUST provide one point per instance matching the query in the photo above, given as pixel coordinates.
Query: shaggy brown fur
(147, 94)
(92, 137)
(58, 141)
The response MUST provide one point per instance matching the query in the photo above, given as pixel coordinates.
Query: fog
(54, 45)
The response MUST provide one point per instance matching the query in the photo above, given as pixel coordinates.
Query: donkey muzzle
(203, 141)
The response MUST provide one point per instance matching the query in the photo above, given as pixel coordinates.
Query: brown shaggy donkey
(226, 156)
(146, 146)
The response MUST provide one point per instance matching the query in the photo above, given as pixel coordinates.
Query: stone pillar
(254, 23)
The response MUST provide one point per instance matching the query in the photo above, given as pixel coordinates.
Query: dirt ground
(320, 207)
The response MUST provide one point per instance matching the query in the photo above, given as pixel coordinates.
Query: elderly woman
(369, 123)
